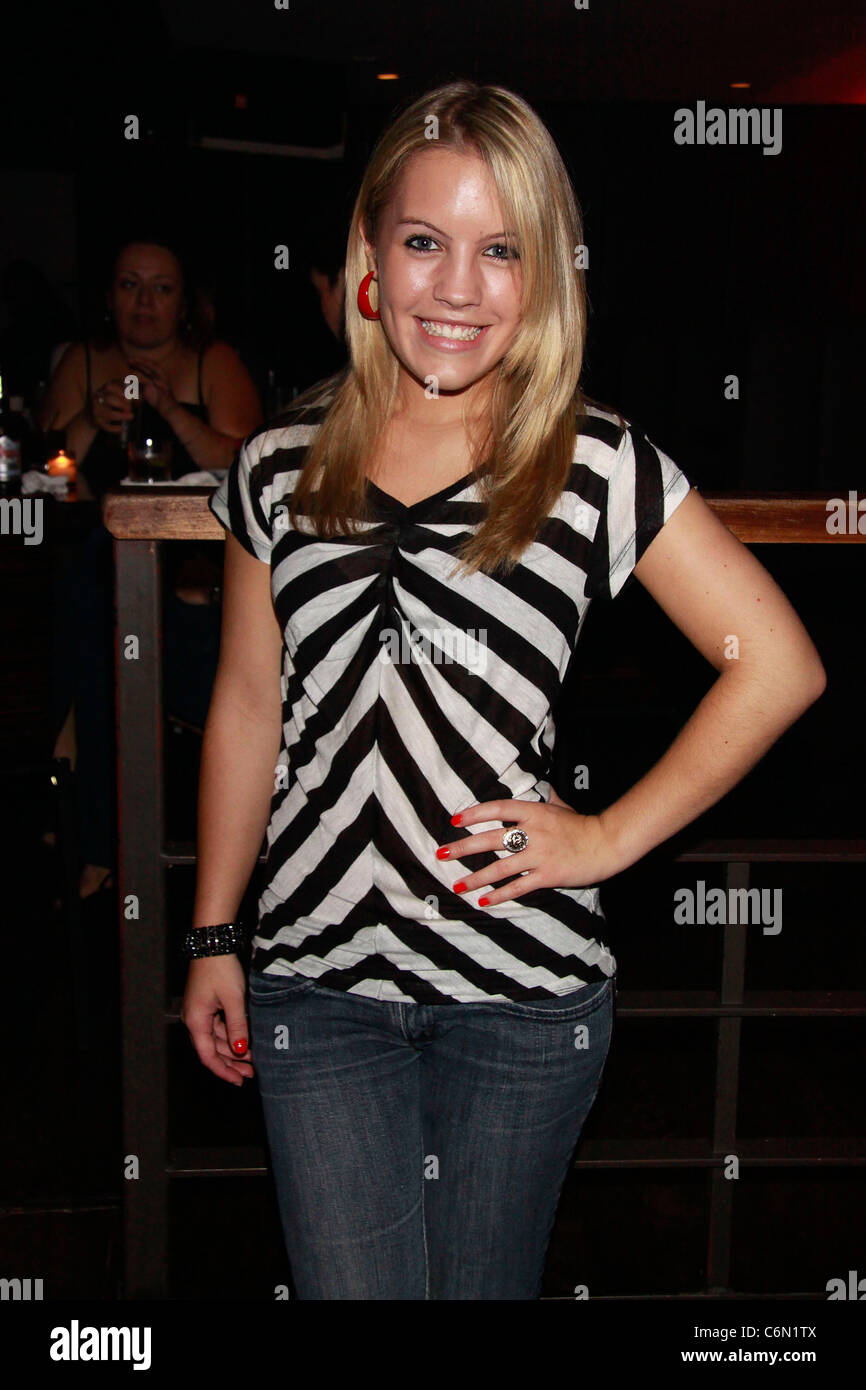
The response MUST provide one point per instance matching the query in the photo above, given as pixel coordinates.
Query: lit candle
(62, 465)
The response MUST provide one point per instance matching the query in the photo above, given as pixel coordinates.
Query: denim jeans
(419, 1151)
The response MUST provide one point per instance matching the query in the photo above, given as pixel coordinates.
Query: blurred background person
(328, 278)
(158, 328)
(316, 305)
(331, 289)
(196, 393)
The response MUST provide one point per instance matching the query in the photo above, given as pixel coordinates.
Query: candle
(62, 465)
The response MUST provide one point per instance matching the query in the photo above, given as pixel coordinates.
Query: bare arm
(714, 590)
(66, 407)
(233, 407)
(239, 754)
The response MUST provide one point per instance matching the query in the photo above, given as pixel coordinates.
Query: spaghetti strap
(200, 360)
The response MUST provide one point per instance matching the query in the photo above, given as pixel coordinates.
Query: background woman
(158, 327)
(430, 994)
(197, 390)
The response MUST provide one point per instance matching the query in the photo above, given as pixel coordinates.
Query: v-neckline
(423, 501)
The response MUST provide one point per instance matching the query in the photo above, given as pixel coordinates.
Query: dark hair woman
(158, 328)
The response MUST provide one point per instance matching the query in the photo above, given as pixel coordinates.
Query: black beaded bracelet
(220, 940)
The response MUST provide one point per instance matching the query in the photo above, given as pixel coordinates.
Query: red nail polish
(460, 887)
(483, 902)
(240, 1046)
(442, 853)
(458, 819)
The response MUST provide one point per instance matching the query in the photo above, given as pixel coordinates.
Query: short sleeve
(240, 505)
(644, 489)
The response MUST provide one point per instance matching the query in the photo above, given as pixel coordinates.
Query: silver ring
(100, 398)
(515, 840)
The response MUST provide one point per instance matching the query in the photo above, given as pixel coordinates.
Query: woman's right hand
(109, 406)
(217, 983)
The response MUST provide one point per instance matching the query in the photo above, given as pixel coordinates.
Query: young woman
(410, 559)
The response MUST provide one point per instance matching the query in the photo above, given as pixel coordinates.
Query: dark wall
(703, 261)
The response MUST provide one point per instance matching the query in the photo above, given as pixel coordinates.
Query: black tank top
(106, 462)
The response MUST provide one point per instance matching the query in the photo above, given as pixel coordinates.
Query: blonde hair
(526, 448)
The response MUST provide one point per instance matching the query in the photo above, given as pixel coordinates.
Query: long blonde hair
(526, 449)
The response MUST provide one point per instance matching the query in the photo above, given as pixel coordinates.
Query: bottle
(11, 430)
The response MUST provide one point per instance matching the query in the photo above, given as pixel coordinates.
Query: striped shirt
(407, 698)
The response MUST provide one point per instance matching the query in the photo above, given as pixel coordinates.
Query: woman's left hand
(155, 387)
(564, 850)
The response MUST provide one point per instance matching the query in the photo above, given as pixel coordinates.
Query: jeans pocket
(578, 1004)
(274, 989)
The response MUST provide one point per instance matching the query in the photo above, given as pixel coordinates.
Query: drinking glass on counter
(149, 446)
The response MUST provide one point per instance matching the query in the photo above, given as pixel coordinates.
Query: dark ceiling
(642, 50)
(306, 76)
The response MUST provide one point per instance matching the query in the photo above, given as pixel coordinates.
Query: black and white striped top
(407, 697)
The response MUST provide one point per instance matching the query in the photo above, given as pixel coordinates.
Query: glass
(149, 445)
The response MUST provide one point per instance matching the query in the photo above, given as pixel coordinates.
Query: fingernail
(460, 887)
(240, 1046)
(442, 853)
(458, 819)
(483, 902)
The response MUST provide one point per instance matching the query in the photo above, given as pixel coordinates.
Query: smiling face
(449, 292)
(146, 295)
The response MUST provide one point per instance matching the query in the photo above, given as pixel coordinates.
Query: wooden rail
(162, 513)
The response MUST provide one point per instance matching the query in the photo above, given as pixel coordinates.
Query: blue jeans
(419, 1150)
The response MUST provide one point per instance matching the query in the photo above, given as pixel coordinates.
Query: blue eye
(500, 246)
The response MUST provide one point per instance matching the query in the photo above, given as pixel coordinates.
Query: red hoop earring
(364, 304)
